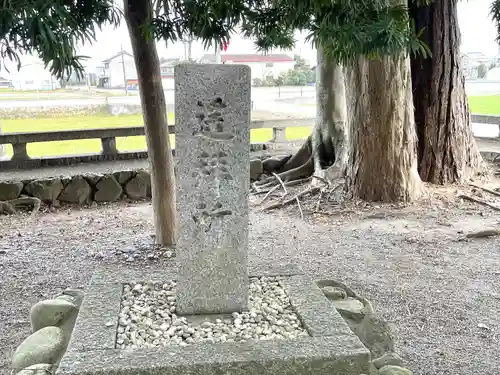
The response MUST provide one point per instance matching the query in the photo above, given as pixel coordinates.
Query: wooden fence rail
(21, 159)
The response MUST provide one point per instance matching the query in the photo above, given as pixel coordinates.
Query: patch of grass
(478, 104)
(481, 105)
(485, 105)
(56, 148)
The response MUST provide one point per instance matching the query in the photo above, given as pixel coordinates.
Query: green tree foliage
(52, 29)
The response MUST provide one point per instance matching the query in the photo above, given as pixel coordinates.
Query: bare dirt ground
(439, 290)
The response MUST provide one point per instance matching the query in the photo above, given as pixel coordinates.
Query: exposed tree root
(281, 183)
(299, 166)
(479, 201)
(333, 213)
(311, 191)
(493, 192)
(323, 156)
(484, 233)
(11, 207)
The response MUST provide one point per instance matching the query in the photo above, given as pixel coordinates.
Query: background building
(117, 70)
(34, 76)
(262, 66)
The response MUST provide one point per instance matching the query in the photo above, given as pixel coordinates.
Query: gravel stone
(432, 287)
(147, 317)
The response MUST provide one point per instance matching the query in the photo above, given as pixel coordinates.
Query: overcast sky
(478, 35)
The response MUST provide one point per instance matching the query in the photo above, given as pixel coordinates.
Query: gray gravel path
(435, 289)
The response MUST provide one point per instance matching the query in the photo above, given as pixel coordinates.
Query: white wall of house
(168, 83)
(115, 70)
(263, 69)
(34, 77)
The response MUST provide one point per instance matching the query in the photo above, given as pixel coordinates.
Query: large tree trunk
(329, 137)
(382, 155)
(324, 153)
(447, 151)
(137, 14)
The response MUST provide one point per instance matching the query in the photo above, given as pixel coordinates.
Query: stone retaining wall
(81, 189)
(86, 188)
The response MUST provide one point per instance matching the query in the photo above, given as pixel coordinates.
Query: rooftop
(248, 58)
(117, 55)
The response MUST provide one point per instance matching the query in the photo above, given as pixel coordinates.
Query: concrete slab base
(330, 349)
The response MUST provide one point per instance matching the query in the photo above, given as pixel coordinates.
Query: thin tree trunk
(447, 151)
(382, 155)
(324, 153)
(137, 14)
(329, 137)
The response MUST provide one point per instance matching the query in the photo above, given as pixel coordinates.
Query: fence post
(109, 146)
(279, 135)
(3, 148)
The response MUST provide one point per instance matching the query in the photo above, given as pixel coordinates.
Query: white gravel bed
(147, 317)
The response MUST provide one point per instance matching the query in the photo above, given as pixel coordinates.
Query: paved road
(263, 97)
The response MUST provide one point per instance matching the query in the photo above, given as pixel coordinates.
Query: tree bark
(139, 13)
(329, 137)
(382, 155)
(447, 151)
(324, 153)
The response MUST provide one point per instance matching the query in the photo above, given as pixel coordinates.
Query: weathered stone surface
(108, 189)
(66, 180)
(351, 305)
(10, 190)
(394, 370)
(332, 348)
(44, 346)
(146, 176)
(50, 312)
(137, 187)
(374, 333)
(123, 176)
(73, 295)
(92, 178)
(334, 293)
(212, 111)
(47, 190)
(78, 191)
(388, 359)
(39, 369)
(256, 169)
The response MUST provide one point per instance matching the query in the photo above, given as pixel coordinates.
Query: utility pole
(189, 48)
(124, 73)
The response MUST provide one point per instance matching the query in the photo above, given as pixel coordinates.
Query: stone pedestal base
(330, 348)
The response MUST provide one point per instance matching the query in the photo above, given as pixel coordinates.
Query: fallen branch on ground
(281, 183)
(268, 194)
(484, 233)
(300, 208)
(11, 207)
(493, 192)
(311, 190)
(479, 201)
(259, 190)
(332, 213)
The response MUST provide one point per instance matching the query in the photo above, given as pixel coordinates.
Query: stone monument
(213, 164)
(211, 313)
